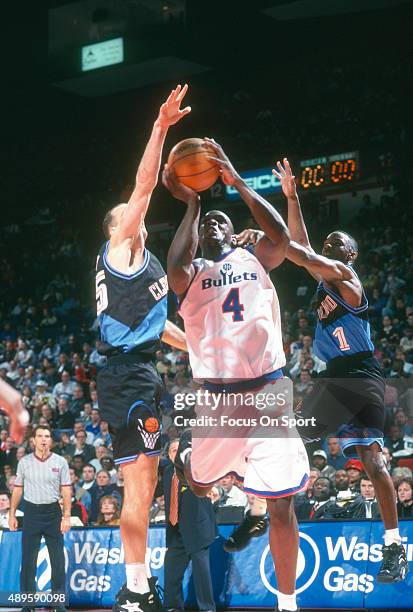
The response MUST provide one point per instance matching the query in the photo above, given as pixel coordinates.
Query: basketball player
(11, 403)
(233, 333)
(131, 295)
(342, 340)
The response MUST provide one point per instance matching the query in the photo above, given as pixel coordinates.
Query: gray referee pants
(42, 520)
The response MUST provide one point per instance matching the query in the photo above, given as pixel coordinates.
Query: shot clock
(338, 169)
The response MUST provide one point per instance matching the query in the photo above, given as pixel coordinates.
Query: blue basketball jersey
(131, 309)
(341, 329)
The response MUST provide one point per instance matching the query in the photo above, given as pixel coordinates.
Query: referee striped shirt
(41, 479)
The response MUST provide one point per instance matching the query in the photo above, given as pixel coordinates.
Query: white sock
(184, 454)
(392, 536)
(136, 579)
(287, 602)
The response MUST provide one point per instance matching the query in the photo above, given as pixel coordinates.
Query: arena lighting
(102, 54)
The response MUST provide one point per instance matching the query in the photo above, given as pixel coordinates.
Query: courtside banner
(337, 565)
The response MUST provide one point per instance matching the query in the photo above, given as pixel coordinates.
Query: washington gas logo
(308, 565)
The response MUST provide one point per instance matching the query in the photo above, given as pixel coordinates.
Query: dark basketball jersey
(132, 308)
(341, 329)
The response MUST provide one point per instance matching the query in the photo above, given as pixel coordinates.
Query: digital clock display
(338, 169)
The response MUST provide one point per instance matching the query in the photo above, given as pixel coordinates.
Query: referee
(41, 476)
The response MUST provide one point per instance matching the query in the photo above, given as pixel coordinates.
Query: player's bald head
(112, 218)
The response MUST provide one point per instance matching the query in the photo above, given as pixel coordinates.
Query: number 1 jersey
(232, 319)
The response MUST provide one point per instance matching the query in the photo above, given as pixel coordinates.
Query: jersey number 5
(101, 293)
(339, 334)
(232, 304)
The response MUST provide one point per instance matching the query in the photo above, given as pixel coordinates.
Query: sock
(392, 536)
(259, 507)
(136, 579)
(287, 602)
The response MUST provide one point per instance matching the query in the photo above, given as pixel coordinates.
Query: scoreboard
(338, 169)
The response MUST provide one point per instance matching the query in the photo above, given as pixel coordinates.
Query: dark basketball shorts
(348, 402)
(128, 395)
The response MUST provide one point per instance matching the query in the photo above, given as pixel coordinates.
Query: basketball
(151, 425)
(189, 160)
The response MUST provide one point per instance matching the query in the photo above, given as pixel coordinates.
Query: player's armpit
(270, 255)
(180, 277)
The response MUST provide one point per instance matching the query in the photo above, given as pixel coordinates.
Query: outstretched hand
(228, 173)
(286, 178)
(177, 189)
(170, 111)
(248, 237)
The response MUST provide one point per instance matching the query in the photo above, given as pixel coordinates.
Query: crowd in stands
(48, 330)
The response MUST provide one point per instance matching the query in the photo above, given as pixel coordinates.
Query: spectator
(80, 426)
(109, 512)
(313, 508)
(103, 438)
(234, 495)
(101, 452)
(81, 494)
(307, 494)
(401, 420)
(354, 469)
(405, 498)
(8, 456)
(335, 458)
(320, 462)
(341, 481)
(109, 465)
(94, 426)
(64, 418)
(157, 512)
(101, 487)
(89, 477)
(395, 441)
(78, 401)
(5, 510)
(81, 448)
(65, 387)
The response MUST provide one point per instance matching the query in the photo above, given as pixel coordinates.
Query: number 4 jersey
(131, 308)
(232, 319)
(341, 329)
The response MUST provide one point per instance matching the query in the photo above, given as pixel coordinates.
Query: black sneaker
(183, 455)
(127, 601)
(155, 588)
(394, 566)
(251, 527)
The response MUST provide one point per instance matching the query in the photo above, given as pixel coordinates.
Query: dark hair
(44, 427)
(407, 480)
(5, 492)
(353, 242)
(113, 500)
(90, 465)
(364, 476)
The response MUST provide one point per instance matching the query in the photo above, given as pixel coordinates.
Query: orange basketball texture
(189, 160)
(151, 425)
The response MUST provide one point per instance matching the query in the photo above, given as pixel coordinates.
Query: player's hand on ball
(170, 111)
(248, 237)
(286, 178)
(228, 173)
(177, 189)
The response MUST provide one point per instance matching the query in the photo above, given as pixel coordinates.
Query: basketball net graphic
(149, 438)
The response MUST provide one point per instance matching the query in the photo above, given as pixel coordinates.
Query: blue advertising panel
(337, 565)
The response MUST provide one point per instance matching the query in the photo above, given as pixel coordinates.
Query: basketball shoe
(250, 527)
(183, 454)
(394, 566)
(127, 601)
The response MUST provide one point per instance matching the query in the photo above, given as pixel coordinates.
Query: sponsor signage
(262, 181)
(337, 565)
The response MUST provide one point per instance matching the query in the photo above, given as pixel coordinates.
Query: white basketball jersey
(232, 319)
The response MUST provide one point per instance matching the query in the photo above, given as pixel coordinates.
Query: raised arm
(174, 336)
(185, 243)
(272, 247)
(332, 271)
(296, 223)
(148, 170)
